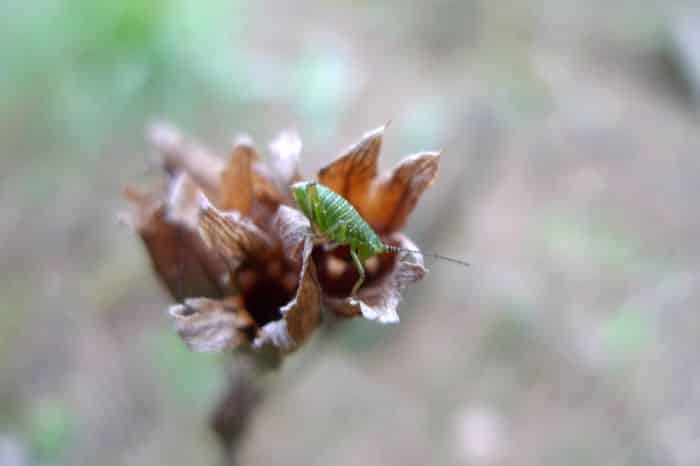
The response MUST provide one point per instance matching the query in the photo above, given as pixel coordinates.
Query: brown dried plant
(228, 243)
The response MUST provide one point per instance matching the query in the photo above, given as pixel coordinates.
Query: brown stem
(247, 388)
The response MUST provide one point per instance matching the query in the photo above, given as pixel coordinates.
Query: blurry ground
(570, 175)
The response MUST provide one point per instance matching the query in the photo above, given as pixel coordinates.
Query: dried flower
(228, 243)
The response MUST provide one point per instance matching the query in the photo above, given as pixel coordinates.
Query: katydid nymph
(334, 219)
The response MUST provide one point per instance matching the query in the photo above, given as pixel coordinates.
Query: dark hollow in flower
(278, 290)
(259, 269)
(265, 289)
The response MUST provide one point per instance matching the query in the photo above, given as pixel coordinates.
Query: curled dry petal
(385, 202)
(301, 316)
(212, 325)
(240, 183)
(291, 227)
(184, 155)
(178, 255)
(381, 300)
(394, 196)
(232, 236)
(350, 175)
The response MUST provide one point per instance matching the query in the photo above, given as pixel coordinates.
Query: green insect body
(336, 220)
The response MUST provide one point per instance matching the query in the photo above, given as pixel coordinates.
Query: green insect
(335, 219)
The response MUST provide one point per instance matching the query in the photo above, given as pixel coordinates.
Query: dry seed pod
(240, 259)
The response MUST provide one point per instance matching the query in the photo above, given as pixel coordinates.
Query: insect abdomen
(357, 233)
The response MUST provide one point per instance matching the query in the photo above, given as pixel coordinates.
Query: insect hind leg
(360, 270)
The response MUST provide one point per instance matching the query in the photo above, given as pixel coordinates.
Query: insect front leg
(360, 269)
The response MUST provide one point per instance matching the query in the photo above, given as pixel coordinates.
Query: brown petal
(212, 325)
(384, 202)
(292, 228)
(351, 174)
(178, 255)
(393, 198)
(231, 237)
(301, 316)
(247, 185)
(236, 191)
(181, 154)
(380, 301)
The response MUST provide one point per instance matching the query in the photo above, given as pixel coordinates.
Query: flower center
(265, 297)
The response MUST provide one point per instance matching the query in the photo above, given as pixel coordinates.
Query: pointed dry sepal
(213, 325)
(393, 197)
(236, 191)
(384, 202)
(231, 236)
(247, 186)
(351, 173)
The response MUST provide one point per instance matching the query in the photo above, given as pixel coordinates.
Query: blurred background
(569, 178)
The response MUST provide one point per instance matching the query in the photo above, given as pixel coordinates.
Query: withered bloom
(230, 246)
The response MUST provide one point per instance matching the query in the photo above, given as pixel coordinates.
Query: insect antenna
(428, 254)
